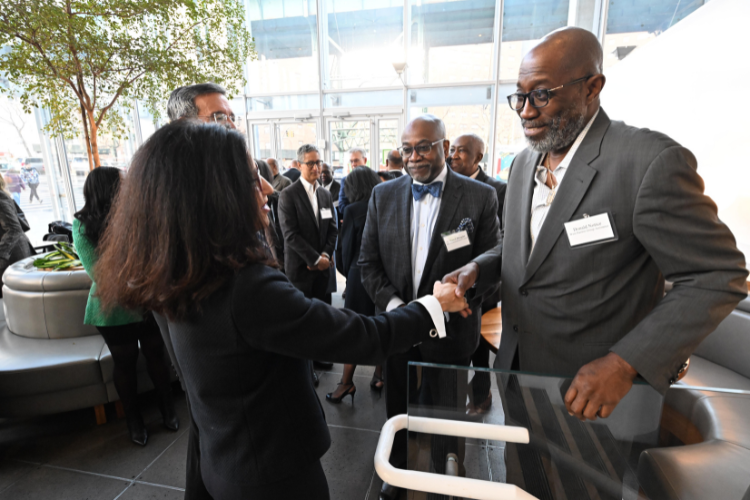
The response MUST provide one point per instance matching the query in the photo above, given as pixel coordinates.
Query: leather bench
(50, 361)
(717, 463)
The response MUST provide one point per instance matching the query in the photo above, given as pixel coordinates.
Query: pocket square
(466, 225)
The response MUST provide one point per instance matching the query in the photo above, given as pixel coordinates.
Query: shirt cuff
(394, 303)
(316, 262)
(436, 313)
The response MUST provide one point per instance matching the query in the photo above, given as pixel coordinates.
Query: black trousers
(32, 188)
(442, 393)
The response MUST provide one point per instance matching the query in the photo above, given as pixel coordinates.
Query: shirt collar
(440, 178)
(475, 174)
(308, 187)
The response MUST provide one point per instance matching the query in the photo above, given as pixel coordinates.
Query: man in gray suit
(598, 214)
(466, 151)
(418, 228)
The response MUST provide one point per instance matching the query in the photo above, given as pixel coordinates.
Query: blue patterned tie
(419, 190)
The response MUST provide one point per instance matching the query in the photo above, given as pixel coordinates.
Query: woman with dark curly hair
(185, 242)
(122, 329)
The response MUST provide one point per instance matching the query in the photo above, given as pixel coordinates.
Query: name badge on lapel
(456, 239)
(325, 213)
(590, 230)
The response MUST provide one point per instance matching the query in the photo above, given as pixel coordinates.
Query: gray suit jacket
(304, 240)
(385, 255)
(564, 307)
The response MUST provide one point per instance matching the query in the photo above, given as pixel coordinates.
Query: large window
(285, 33)
(362, 41)
(633, 23)
(451, 41)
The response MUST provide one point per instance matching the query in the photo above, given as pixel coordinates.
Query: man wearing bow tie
(420, 227)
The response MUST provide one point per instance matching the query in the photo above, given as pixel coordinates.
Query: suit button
(515, 328)
(524, 292)
(433, 333)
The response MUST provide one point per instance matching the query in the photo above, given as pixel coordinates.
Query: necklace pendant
(550, 197)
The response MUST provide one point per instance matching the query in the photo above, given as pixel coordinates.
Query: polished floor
(68, 457)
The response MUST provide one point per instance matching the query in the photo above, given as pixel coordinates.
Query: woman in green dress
(122, 329)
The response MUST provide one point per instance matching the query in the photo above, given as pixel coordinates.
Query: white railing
(437, 483)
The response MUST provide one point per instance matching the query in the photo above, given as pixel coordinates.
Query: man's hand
(464, 278)
(323, 264)
(449, 301)
(599, 386)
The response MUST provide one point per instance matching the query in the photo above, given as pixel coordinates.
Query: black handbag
(22, 218)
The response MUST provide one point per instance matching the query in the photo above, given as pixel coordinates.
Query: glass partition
(624, 456)
(347, 134)
(290, 136)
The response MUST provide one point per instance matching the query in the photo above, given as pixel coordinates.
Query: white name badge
(589, 230)
(325, 213)
(454, 241)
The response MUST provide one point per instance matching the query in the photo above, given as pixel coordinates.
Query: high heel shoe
(337, 400)
(374, 383)
(137, 431)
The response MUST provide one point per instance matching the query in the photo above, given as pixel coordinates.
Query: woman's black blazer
(243, 359)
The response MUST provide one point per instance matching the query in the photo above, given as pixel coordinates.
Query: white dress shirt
(423, 218)
(310, 190)
(474, 175)
(543, 196)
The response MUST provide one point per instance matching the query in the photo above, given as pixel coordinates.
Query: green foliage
(101, 55)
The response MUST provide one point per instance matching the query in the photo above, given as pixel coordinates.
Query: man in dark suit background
(404, 252)
(308, 223)
(280, 182)
(294, 171)
(466, 152)
(593, 306)
(329, 183)
(394, 164)
(306, 214)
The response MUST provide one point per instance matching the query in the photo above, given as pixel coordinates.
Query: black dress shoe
(389, 492)
(137, 431)
(322, 365)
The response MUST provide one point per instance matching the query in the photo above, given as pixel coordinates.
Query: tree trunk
(94, 144)
(87, 138)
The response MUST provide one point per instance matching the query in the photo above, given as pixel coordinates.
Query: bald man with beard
(598, 214)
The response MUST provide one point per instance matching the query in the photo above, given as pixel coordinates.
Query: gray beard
(557, 137)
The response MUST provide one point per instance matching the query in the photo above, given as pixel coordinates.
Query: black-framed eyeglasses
(220, 117)
(537, 98)
(311, 164)
(422, 149)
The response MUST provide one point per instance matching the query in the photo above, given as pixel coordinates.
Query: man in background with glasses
(598, 214)
(205, 101)
(420, 227)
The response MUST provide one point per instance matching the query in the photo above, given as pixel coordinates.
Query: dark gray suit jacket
(385, 255)
(304, 240)
(564, 307)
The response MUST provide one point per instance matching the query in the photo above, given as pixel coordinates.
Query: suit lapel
(403, 233)
(575, 184)
(527, 185)
(451, 198)
(322, 228)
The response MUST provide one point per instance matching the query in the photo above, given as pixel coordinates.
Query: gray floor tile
(169, 469)
(47, 483)
(148, 492)
(368, 411)
(12, 471)
(349, 463)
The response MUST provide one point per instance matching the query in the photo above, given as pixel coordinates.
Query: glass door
(377, 135)
(290, 136)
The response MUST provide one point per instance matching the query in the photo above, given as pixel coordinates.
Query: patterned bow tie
(419, 190)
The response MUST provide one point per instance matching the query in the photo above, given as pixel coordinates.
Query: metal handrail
(447, 485)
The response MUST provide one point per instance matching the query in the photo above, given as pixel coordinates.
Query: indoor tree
(86, 61)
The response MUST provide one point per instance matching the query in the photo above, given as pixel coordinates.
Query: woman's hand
(446, 295)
